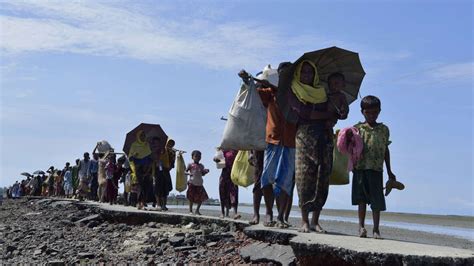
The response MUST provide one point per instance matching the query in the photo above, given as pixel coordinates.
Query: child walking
(367, 183)
(196, 192)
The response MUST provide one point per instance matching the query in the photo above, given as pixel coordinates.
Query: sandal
(282, 225)
(391, 183)
(269, 224)
(253, 222)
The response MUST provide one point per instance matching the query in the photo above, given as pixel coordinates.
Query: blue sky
(74, 73)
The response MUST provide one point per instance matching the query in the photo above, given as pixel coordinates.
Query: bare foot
(269, 221)
(237, 216)
(319, 229)
(304, 228)
(362, 232)
(198, 213)
(377, 235)
(221, 216)
(255, 220)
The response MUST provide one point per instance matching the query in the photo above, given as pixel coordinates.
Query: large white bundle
(103, 146)
(245, 128)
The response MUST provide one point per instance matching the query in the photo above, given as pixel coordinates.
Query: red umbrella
(155, 136)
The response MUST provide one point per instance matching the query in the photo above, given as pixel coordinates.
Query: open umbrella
(152, 132)
(26, 174)
(328, 61)
(38, 172)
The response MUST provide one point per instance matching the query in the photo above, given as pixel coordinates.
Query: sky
(76, 72)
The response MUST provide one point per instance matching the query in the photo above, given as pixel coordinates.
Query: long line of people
(286, 153)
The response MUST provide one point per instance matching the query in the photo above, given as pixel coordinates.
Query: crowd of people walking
(298, 153)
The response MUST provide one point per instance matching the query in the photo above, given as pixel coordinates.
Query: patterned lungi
(314, 148)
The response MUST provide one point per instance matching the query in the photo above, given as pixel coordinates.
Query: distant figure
(126, 180)
(111, 188)
(15, 190)
(367, 180)
(140, 163)
(94, 184)
(101, 177)
(68, 186)
(75, 176)
(196, 192)
(228, 191)
(58, 183)
(163, 184)
(51, 180)
(84, 176)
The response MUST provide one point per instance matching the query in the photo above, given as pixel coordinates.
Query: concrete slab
(354, 250)
(309, 248)
(265, 252)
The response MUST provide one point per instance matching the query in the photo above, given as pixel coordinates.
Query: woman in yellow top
(140, 164)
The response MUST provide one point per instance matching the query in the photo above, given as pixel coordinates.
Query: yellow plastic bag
(133, 175)
(242, 172)
(181, 183)
(339, 174)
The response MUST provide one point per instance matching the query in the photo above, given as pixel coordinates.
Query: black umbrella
(38, 172)
(327, 61)
(26, 174)
(151, 131)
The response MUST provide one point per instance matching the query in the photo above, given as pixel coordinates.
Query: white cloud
(454, 71)
(24, 93)
(99, 29)
(134, 31)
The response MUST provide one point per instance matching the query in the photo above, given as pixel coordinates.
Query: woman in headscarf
(314, 143)
(140, 164)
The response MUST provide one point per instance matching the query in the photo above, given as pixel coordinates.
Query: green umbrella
(327, 61)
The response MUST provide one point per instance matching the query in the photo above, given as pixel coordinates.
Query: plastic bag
(242, 172)
(339, 174)
(181, 183)
(245, 128)
(220, 156)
